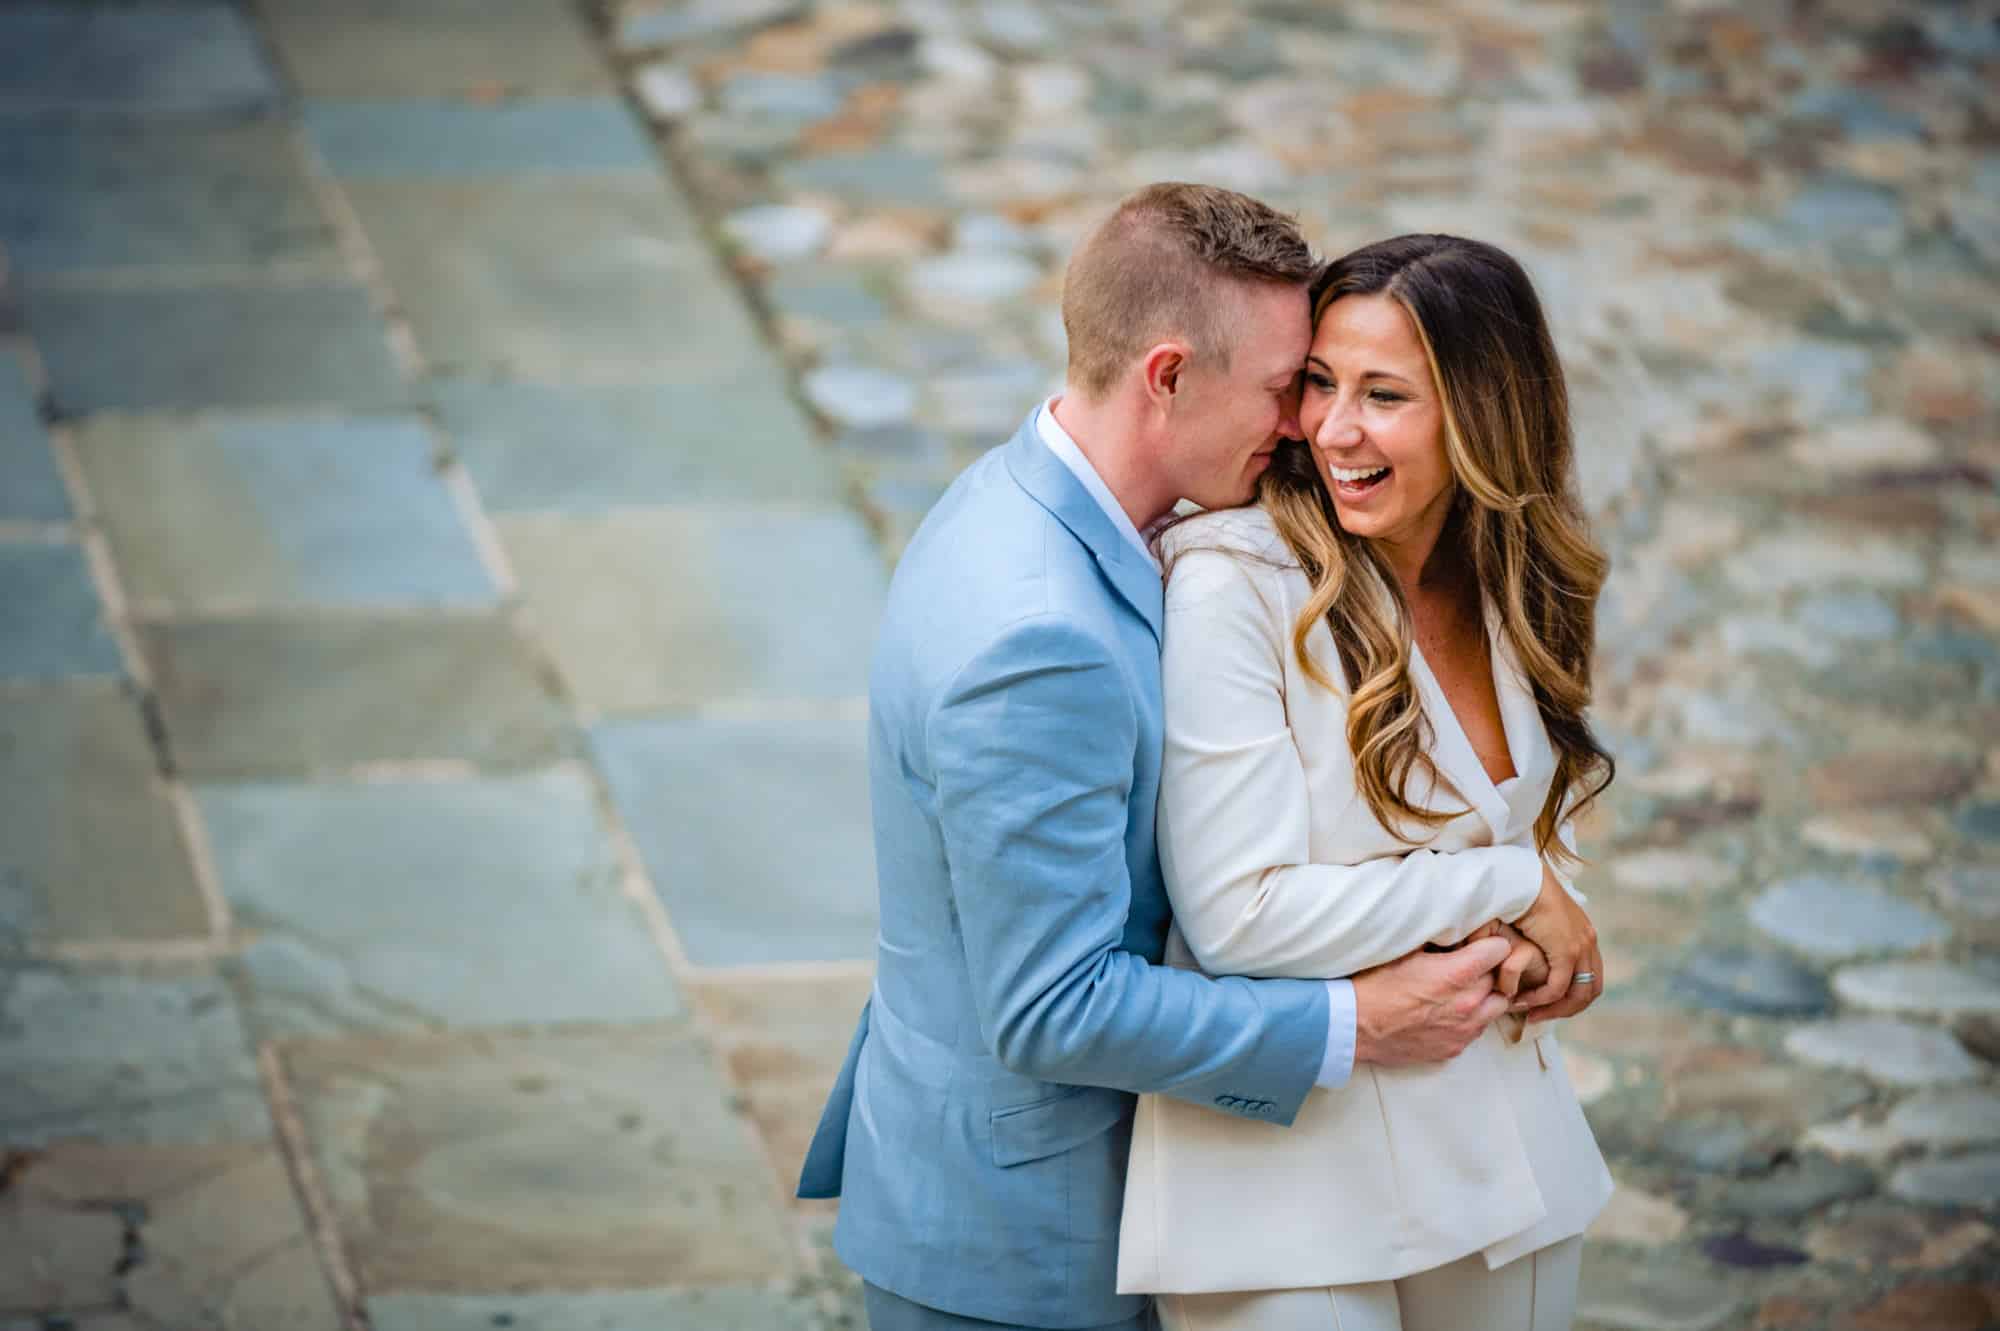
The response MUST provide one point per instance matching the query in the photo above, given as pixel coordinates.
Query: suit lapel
(1527, 739)
(1043, 475)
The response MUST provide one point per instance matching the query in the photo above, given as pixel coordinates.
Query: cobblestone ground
(433, 872)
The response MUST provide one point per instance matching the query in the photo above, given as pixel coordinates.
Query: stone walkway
(434, 874)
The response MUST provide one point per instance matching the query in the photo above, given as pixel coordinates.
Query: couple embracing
(1265, 820)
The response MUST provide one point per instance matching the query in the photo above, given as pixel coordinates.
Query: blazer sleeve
(1032, 749)
(1235, 813)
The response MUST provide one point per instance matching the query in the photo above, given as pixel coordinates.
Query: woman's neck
(1426, 564)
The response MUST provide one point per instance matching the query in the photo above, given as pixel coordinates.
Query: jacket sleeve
(1235, 816)
(1032, 750)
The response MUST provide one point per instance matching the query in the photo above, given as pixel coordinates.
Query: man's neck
(1114, 451)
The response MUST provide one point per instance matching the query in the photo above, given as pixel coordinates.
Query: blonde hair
(1157, 268)
(1515, 518)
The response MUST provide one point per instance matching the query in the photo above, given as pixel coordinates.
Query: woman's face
(1370, 410)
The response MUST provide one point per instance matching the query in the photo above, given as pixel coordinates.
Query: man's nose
(1288, 413)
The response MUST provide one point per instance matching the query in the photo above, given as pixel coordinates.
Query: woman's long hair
(1515, 517)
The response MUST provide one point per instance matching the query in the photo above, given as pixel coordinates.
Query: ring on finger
(1583, 977)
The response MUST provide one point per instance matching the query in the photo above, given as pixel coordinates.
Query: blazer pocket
(1047, 1127)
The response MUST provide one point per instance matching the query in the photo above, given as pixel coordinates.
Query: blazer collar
(1511, 814)
(1051, 484)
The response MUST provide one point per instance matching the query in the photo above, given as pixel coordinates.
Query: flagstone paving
(450, 456)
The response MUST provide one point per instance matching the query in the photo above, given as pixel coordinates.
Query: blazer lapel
(1453, 753)
(1043, 475)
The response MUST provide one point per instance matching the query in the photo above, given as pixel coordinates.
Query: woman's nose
(1338, 428)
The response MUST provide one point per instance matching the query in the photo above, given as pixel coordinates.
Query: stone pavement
(433, 871)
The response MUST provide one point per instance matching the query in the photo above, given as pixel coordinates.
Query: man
(978, 1131)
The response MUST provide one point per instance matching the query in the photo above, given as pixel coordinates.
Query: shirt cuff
(1338, 1064)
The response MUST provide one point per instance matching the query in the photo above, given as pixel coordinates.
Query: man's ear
(1163, 366)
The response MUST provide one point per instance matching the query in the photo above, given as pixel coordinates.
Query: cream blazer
(1277, 867)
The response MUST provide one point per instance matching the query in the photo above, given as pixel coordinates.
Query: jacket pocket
(1061, 1122)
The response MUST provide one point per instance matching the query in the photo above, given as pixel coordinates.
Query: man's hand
(1525, 967)
(1427, 1007)
(1557, 925)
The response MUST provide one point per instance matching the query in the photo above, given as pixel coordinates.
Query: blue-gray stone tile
(1830, 919)
(879, 175)
(649, 608)
(599, 1310)
(280, 511)
(605, 1160)
(134, 1058)
(186, 55)
(534, 447)
(292, 696)
(433, 140)
(31, 489)
(756, 833)
(596, 278)
(405, 905)
(112, 192)
(89, 846)
(53, 625)
(212, 346)
(393, 48)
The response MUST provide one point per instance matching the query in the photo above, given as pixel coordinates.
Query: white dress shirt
(1338, 1062)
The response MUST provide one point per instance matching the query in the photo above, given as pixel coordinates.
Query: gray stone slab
(429, 139)
(1765, 984)
(402, 905)
(53, 625)
(1966, 1180)
(134, 1058)
(756, 833)
(31, 489)
(532, 447)
(1935, 988)
(1965, 1116)
(673, 607)
(51, 1258)
(1899, 1053)
(113, 192)
(280, 511)
(265, 697)
(599, 1310)
(1830, 919)
(187, 55)
(581, 1160)
(581, 279)
(212, 346)
(880, 176)
(89, 847)
(394, 48)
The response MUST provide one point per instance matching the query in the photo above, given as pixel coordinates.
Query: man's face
(1229, 421)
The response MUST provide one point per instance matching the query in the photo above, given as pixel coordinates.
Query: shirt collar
(1057, 440)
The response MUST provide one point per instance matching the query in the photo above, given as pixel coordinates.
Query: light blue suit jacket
(978, 1130)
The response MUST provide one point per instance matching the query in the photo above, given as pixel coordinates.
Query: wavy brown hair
(1515, 518)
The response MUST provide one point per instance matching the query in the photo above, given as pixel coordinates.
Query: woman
(1375, 682)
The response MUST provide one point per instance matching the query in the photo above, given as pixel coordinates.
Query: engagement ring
(1584, 977)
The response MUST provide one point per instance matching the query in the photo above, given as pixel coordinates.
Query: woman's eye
(1383, 395)
(1320, 382)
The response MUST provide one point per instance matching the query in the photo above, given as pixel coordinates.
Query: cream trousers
(1532, 1293)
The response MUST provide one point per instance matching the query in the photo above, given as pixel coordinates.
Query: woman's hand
(1557, 925)
(1525, 966)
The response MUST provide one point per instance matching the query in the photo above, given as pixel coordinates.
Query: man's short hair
(1160, 267)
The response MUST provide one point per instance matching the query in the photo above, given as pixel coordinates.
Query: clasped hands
(1427, 1007)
